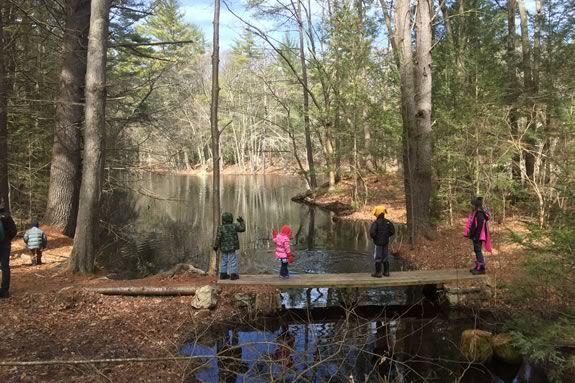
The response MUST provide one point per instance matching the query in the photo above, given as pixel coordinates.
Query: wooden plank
(401, 278)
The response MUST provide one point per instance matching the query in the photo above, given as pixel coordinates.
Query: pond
(154, 221)
(353, 349)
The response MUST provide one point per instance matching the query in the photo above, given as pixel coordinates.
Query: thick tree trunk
(423, 155)
(213, 266)
(65, 172)
(4, 186)
(415, 84)
(403, 42)
(307, 128)
(84, 251)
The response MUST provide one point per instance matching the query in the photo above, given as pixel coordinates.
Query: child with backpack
(283, 250)
(228, 243)
(36, 241)
(476, 230)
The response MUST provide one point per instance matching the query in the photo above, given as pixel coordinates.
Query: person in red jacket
(8, 233)
(283, 250)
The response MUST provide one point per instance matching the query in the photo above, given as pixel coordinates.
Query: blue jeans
(478, 248)
(231, 258)
(5, 262)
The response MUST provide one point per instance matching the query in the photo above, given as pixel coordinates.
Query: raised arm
(240, 225)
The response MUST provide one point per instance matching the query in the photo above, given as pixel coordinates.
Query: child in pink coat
(283, 250)
(476, 229)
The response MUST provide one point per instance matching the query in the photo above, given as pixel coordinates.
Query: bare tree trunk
(407, 86)
(537, 44)
(423, 155)
(84, 251)
(215, 132)
(513, 118)
(65, 172)
(529, 151)
(4, 186)
(307, 129)
(415, 84)
(525, 47)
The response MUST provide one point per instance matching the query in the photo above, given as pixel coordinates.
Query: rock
(504, 350)
(476, 345)
(243, 300)
(453, 298)
(206, 297)
(268, 303)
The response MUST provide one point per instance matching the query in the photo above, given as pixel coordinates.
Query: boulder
(206, 297)
(244, 300)
(476, 345)
(504, 350)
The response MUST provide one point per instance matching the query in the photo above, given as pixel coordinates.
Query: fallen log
(145, 290)
(184, 267)
(98, 361)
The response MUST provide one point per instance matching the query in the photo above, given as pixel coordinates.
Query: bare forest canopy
(462, 98)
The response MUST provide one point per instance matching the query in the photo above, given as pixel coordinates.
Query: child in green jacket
(227, 242)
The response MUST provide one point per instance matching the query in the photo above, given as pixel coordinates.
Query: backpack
(2, 229)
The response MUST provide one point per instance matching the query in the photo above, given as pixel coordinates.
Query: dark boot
(224, 276)
(386, 269)
(480, 270)
(34, 262)
(474, 269)
(377, 273)
(234, 276)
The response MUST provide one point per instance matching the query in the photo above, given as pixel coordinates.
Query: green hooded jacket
(227, 236)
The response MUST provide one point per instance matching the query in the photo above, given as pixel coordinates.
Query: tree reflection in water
(156, 221)
(397, 349)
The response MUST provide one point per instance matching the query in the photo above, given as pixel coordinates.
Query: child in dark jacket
(476, 230)
(8, 231)
(381, 231)
(228, 243)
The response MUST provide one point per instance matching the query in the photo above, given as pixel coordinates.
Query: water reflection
(155, 221)
(382, 350)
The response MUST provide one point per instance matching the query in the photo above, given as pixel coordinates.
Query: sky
(201, 14)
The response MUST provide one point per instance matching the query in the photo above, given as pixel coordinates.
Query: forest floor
(50, 316)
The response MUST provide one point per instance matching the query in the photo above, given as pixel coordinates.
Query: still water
(354, 349)
(156, 221)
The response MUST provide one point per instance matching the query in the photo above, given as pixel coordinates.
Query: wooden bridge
(355, 280)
